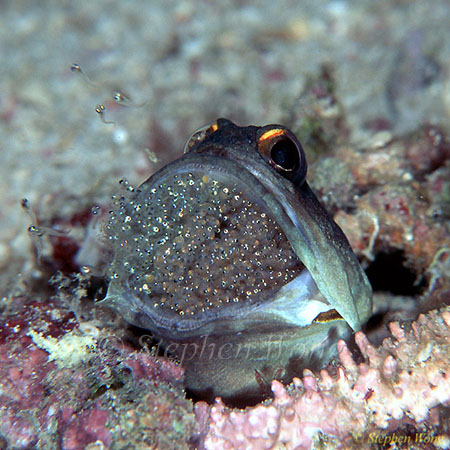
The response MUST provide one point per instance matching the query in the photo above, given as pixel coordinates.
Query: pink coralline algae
(398, 383)
(111, 397)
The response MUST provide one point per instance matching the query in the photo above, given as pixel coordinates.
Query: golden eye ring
(281, 149)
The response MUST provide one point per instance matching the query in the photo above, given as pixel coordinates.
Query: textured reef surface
(364, 85)
(73, 376)
(391, 393)
(70, 385)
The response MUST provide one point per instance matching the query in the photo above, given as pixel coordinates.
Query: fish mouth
(211, 253)
(303, 298)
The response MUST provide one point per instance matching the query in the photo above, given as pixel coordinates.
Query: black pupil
(285, 155)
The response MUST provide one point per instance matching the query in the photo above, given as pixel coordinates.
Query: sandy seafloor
(183, 64)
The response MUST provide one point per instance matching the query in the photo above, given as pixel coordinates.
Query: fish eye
(284, 155)
(281, 149)
(100, 110)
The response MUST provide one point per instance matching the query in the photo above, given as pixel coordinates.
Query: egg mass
(194, 245)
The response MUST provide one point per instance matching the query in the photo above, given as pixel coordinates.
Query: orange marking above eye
(272, 133)
(214, 127)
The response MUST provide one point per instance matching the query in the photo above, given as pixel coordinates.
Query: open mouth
(193, 248)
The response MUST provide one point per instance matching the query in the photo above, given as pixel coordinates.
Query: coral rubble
(400, 382)
(73, 386)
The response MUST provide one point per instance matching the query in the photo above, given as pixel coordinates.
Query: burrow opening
(389, 273)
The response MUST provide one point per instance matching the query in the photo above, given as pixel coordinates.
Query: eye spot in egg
(194, 245)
